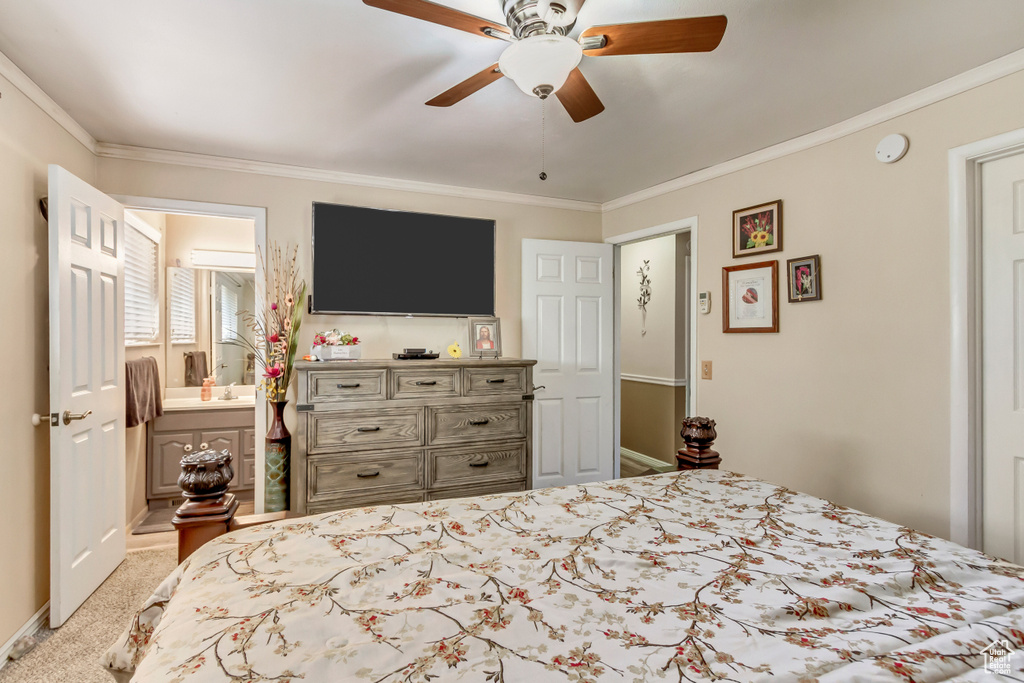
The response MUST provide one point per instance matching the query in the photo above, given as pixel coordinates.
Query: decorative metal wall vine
(645, 294)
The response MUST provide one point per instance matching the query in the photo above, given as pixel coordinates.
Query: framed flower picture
(757, 229)
(751, 295)
(804, 279)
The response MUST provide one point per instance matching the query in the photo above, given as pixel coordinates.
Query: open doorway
(655, 344)
(206, 282)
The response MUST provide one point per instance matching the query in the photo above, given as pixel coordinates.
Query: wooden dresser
(399, 431)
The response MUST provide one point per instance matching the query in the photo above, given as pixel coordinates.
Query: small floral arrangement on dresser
(336, 345)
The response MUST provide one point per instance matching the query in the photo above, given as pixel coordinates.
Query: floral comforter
(673, 577)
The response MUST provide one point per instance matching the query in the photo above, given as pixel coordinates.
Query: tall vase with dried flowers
(276, 330)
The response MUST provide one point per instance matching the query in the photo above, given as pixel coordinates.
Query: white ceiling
(338, 85)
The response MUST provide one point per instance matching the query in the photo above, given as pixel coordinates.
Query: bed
(672, 577)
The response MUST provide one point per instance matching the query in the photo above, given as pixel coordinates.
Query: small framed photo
(751, 294)
(484, 338)
(757, 229)
(804, 279)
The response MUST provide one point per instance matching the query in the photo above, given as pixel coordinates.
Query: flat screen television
(379, 262)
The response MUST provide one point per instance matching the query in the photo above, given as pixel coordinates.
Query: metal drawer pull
(349, 386)
(426, 384)
(367, 475)
(477, 423)
(485, 463)
(368, 429)
(496, 381)
(69, 416)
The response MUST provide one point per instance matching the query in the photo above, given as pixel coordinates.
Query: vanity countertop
(193, 403)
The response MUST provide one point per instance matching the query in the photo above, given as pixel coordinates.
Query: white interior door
(568, 326)
(1003, 356)
(87, 395)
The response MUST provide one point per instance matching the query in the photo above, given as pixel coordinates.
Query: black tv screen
(378, 262)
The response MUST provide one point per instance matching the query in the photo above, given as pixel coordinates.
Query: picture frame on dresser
(485, 337)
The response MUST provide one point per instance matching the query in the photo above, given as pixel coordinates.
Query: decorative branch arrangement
(645, 294)
(277, 326)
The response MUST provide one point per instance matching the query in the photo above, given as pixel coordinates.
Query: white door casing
(87, 487)
(568, 327)
(1002, 210)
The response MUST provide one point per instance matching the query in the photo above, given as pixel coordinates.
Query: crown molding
(160, 156)
(986, 73)
(20, 80)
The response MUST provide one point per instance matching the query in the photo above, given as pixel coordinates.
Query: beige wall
(289, 215)
(648, 415)
(185, 233)
(29, 140)
(851, 399)
(652, 354)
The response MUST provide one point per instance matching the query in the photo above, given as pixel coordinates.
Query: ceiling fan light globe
(540, 64)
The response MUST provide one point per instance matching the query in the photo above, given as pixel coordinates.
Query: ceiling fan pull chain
(543, 137)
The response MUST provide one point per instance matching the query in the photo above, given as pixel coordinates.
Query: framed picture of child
(484, 338)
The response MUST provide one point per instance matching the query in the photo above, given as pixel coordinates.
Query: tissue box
(338, 352)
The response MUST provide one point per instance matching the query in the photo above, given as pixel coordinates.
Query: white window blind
(182, 305)
(141, 307)
(228, 313)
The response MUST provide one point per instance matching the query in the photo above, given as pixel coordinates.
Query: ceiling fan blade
(467, 87)
(696, 34)
(578, 98)
(438, 14)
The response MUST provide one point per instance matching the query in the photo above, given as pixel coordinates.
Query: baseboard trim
(648, 379)
(137, 519)
(647, 460)
(37, 621)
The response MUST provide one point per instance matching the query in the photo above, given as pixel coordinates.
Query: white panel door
(568, 328)
(1003, 356)
(87, 395)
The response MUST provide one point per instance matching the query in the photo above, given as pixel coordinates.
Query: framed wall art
(484, 338)
(804, 275)
(751, 297)
(757, 229)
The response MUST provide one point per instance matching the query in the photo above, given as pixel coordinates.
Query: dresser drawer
(425, 383)
(329, 431)
(380, 498)
(473, 465)
(468, 424)
(469, 491)
(328, 476)
(495, 381)
(326, 386)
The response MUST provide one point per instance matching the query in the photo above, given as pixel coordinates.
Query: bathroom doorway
(206, 285)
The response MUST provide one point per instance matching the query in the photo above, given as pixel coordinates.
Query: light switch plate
(705, 369)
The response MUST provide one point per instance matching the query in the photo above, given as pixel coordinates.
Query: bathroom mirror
(207, 328)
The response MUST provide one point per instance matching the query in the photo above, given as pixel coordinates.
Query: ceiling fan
(542, 59)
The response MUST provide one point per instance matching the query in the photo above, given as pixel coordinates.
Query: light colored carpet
(72, 652)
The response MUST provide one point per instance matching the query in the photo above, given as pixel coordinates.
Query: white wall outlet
(704, 301)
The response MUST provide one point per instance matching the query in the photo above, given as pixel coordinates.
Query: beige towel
(142, 391)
